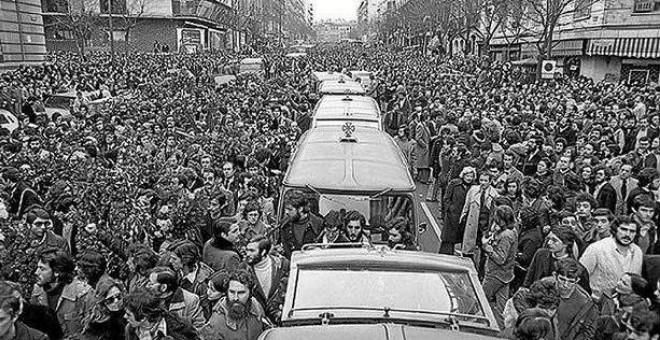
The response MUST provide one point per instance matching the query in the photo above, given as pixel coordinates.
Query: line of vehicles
(60, 104)
(369, 290)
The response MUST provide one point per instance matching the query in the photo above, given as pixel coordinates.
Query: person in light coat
(476, 214)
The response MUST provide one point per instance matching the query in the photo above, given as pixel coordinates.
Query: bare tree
(130, 19)
(516, 26)
(545, 16)
(467, 15)
(494, 15)
(80, 17)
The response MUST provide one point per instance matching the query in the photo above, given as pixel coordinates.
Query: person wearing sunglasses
(107, 321)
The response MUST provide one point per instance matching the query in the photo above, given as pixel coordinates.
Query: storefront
(634, 60)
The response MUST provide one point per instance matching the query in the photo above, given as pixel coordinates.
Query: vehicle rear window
(378, 211)
(412, 291)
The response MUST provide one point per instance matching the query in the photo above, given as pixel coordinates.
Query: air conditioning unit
(548, 69)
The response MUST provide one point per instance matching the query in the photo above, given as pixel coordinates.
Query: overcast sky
(335, 9)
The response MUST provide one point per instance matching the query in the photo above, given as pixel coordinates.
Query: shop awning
(625, 47)
(567, 48)
(504, 48)
(525, 62)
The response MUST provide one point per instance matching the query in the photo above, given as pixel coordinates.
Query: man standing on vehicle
(300, 226)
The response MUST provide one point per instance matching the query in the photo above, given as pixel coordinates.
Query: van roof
(323, 76)
(252, 61)
(334, 110)
(350, 103)
(341, 87)
(370, 164)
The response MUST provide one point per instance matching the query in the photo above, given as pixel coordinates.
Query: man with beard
(165, 285)
(269, 273)
(22, 197)
(534, 154)
(92, 266)
(604, 192)
(58, 289)
(300, 226)
(609, 259)
(236, 316)
(648, 180)
(355, 225)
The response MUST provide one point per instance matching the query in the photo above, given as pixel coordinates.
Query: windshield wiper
(451, 316)
(381, 193)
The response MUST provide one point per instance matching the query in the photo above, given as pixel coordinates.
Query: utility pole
(112, 38)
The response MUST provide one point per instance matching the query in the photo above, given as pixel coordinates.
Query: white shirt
(606, 264)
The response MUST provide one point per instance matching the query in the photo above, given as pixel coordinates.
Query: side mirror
(422, 228)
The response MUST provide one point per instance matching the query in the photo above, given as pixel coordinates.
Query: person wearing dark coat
(106, 321)
(14, 309)
(22, 196)
(452, 205)
(220, 252)
(604, 192)
(300, 226)
(529, 241)
(145, 313)
(562, 243)
(270, 275)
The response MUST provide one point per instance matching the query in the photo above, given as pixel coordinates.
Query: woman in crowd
(560, 243)
(500, 246)
(106, 322)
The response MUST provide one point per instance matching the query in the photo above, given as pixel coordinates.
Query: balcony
(646, 6)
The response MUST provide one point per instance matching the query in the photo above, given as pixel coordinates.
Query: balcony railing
(646, 6)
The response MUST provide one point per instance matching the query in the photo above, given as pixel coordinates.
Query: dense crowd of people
(550, 187)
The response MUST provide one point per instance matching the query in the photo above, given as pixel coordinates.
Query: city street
(241, 169)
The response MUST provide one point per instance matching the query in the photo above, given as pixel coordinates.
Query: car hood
(368, 332)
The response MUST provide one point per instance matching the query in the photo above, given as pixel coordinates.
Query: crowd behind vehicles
(550, 188)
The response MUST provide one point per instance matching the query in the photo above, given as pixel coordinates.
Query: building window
(582, 9)
(55, 6)
(118, 6)
(646, 6)
(61, 34)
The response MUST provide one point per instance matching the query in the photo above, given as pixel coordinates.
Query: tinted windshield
(58, 102)
(3, 119)
(451, 292)
(377, 210)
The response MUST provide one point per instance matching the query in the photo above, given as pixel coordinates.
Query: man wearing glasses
(577, 313)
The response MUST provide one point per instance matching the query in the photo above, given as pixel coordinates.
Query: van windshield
(413, 291)
(378, 210)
